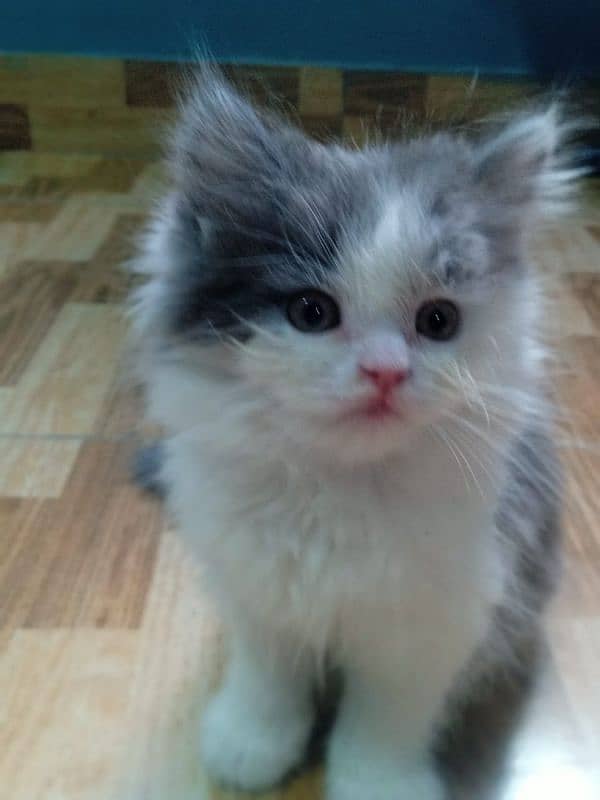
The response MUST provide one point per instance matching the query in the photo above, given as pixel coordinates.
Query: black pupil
(313, 313)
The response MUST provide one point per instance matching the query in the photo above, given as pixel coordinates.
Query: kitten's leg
(256, 728)
(380, 746)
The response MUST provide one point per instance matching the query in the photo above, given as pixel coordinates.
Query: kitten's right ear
(230, 160)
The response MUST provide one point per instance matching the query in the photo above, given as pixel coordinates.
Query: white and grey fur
(415, 554)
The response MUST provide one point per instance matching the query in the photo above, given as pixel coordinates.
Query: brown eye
(313, 312)
(438, 320)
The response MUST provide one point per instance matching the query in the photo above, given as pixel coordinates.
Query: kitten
(343, 346)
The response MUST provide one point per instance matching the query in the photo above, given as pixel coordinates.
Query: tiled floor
(107, 643)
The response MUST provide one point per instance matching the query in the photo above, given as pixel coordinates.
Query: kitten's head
(335, 299)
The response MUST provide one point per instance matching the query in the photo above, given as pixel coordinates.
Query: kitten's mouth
(379, 407)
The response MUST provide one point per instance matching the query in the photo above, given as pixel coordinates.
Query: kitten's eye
(438, 320)
(313, 312)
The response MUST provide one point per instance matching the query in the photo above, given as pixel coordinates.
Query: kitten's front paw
(250, 751)
(374, 781)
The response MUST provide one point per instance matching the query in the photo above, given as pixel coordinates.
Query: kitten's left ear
(527, 166)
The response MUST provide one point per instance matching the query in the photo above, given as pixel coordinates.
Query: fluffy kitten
(342, 345)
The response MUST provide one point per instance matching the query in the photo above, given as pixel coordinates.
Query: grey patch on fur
(146, 469)
(497, 685)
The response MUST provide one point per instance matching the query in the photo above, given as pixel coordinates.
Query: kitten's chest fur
(322, 554)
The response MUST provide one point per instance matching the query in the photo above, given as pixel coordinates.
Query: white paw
(398, 781)
(251, 751)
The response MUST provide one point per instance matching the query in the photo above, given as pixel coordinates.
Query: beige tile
(35, 468)
(132, 132)
(16, 238)
(14, 79)
(64, 385)
(79, 82)
(171, 683)
(576, 645)
(64, 695)
(321, 92)
(445, 94)
(355, 129)
(76, 232)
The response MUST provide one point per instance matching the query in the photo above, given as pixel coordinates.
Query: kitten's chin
(363, 437)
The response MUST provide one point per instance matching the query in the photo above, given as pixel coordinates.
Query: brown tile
(386, 97)
(273, 86)
(152, 83)
(322, 128)
(15, 133)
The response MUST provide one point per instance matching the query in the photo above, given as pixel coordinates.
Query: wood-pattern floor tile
(64, 385)
(321, 92)
(20, 168)
(75, 233)
(585, 286)
(15, 239)
(388, 98)
(31, 295)
(35, 468)
(111, 131)
(15, 127)
(122, 410)
(63, 696)
(152, 84)
(85, 559)
(578, 384)
(79, 82)
(580, 584)
(109, 646)
(267, 85)
(575, 645)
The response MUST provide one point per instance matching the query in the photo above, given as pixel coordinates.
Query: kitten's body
(398, 548)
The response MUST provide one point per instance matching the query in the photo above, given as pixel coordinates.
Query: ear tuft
(528, 166)
(229, 158)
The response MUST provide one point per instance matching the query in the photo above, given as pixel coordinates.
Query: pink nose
(384, 378)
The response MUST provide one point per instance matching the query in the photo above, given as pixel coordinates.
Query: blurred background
(108, 644)
(85, 77)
